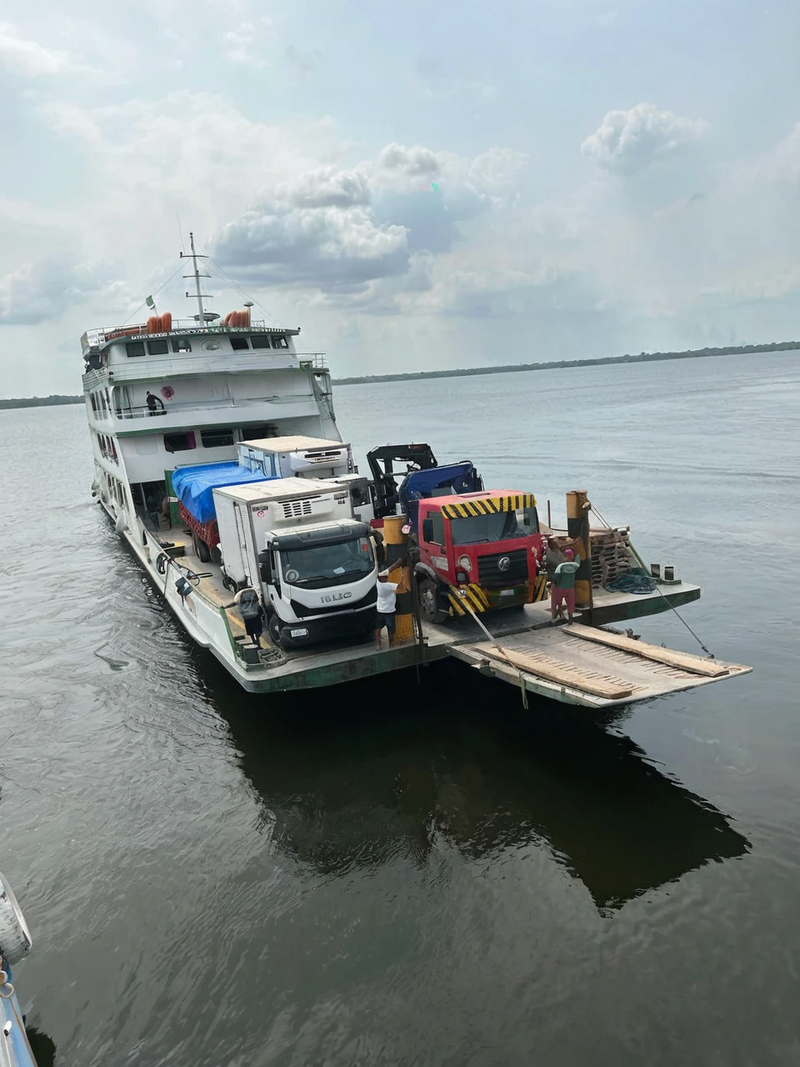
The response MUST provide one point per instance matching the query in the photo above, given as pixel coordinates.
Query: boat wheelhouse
(173, 392)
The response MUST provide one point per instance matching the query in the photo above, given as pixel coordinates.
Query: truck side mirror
(264, 567)
(427, 529)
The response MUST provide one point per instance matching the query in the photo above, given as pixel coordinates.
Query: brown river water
(417, 871)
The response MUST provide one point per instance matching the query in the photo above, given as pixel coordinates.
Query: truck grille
(296, 509)
(341, 606)
(489, 573)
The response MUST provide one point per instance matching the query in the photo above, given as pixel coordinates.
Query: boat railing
(172, 407)
(315, 360)
(101, 335)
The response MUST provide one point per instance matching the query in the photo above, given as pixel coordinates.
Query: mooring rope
(608, 525)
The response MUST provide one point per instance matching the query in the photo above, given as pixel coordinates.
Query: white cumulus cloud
(628, 141)
(28, 57)
(325, 247)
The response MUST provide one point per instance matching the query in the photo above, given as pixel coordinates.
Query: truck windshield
(317, 567)
(499, 527)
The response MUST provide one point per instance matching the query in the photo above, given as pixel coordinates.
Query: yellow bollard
(396, 544)
(578, 528)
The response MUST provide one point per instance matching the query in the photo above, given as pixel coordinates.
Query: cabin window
(279, 341)
(157, 348)
(258, 431)
(216, 438)
(135, 348)
(437, 526)
(179, 442)
(239, 343)
(181, 344)
(260, 342)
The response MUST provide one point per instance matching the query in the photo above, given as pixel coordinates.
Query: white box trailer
(296, 542)
(246, 512)
(297, 456)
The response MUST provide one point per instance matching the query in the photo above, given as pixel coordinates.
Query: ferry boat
(219, 460)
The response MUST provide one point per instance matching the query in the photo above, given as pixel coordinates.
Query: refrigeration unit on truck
(297, 542)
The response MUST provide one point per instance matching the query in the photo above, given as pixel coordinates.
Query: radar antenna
(202, 316)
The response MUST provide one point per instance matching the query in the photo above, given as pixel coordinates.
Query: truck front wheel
(429, 602)
(275, 630)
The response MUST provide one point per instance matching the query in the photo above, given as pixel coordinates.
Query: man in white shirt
(385, 607)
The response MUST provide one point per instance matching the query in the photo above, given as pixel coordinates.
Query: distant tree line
(643, 357)
(40, 401)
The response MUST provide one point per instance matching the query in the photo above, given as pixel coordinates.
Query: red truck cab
(484, 549)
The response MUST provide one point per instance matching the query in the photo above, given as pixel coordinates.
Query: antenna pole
(201, 316)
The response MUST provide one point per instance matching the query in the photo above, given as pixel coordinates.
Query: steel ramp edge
(589, 667)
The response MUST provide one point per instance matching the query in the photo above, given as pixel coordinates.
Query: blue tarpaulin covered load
(194, 485)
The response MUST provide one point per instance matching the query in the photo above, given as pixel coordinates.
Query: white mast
(202, 316)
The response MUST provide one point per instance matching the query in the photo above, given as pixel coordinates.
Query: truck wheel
(275, 630)
(201, 548)
(429, 602)
(15, 938)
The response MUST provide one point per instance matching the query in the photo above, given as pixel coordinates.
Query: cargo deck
(575, 664)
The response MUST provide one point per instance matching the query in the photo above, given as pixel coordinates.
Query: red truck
(483, 549)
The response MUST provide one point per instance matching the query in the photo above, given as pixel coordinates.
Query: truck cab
(483, 549)
(319, 582)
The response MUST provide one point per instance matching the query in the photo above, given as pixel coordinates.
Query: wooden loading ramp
(585, 665)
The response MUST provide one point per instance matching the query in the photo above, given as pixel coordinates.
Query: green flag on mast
(150, 302)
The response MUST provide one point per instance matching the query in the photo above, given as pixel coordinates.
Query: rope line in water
(615, 586)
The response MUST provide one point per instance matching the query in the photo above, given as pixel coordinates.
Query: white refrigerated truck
(297, 542)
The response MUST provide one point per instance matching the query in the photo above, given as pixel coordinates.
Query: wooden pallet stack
(611, 556)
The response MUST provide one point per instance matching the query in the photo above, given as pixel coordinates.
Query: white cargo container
(295, 540)
(297, 456)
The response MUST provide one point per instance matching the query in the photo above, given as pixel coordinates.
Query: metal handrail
(141, 411)
(101, 334)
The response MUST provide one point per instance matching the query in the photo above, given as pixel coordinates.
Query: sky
(417, 186)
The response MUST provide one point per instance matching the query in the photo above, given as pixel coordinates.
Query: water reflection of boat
(389, 778)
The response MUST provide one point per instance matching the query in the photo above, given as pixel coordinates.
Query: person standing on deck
(385, 607)
(252, 613)
(562, 590)
(155, 405)
(553, 557)
(153, 505)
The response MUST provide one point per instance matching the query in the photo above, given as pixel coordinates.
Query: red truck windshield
(502, 526)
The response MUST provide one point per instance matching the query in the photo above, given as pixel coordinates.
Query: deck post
(578, 507)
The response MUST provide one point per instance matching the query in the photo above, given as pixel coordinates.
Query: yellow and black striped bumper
(468, 594)
(488, 506)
